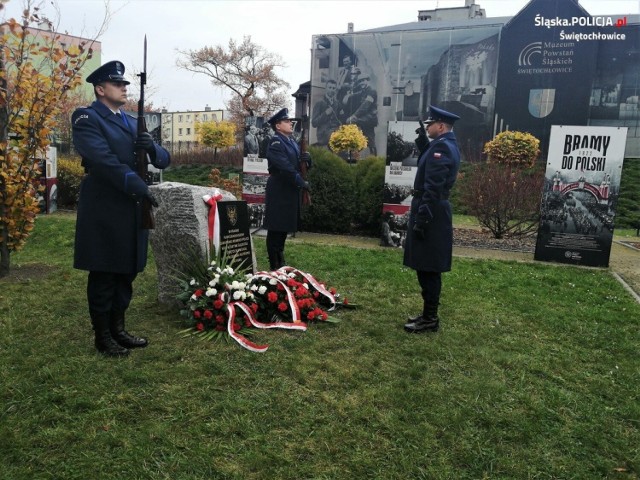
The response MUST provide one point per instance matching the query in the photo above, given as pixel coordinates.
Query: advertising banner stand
(580, 193)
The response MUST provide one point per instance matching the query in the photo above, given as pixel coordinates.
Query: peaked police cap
(109, 72)
(439, 115)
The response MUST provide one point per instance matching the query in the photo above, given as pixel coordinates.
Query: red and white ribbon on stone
(213, 219)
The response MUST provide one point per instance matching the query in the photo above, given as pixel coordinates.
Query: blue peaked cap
(439, 115)
(109, 72)
(281, 115)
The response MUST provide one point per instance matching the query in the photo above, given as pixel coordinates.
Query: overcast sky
(282, 27)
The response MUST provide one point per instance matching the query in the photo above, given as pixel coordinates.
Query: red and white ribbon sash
(213, 219)
(314, 283)
(291, 298)
(241, 339)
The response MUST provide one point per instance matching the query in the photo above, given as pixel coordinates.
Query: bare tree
(247, 69)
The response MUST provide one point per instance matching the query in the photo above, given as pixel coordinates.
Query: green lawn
(534, 374)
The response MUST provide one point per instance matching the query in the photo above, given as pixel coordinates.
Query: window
(179, 118)
(179, 131)
(188, 131)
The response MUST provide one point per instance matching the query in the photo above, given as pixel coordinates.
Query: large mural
(371, 79)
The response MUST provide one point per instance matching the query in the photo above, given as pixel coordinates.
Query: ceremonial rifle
(306, 197)
(142, 162)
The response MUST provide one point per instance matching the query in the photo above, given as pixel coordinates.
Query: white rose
(262, 289)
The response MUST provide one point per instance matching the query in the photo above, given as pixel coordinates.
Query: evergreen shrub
(70, 173)
(369, 178)
(333, 194)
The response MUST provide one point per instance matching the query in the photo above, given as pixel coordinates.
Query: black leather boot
(121, 336)
(427, 322)
(104, 342)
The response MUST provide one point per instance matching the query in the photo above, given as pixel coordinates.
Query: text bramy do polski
(585, 145)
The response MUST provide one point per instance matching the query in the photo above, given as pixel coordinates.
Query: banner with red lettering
(580, 193)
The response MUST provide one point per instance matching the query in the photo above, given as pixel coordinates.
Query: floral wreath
(219, 301)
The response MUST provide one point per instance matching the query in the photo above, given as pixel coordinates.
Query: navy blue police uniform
(429, 241)
(110, 242)
(283, 198)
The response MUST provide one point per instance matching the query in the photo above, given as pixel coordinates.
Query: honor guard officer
(429, 242)
(110, 242)
(284, 187)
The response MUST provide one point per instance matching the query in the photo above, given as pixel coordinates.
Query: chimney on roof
(350, 27)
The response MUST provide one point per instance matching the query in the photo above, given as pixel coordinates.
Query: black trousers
(275, 242)
(107, 291)
(431, 285)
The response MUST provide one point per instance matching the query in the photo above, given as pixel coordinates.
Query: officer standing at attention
(110, 242)
(429, 242)
(284, 187)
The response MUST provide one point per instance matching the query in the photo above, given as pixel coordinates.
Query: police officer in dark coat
(284, 187)
(110, 242)
(429, 242)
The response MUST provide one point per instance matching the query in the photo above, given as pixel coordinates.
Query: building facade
(526, 72)
(178, 130)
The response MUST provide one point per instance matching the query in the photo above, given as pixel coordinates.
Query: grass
(534, 374)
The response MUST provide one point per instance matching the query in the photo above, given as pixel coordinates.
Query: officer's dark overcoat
(283, 193)
(437, 170)
(108, 233)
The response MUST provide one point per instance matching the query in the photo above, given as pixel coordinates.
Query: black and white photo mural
(371, 79)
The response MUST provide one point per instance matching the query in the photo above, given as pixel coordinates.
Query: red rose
(316, 294)
(218, 304)
(282, 307)
(272, 297)
(254, 307)
(220, 319)
(280, 287)
(200, 326)
(208, 314)
(332, 291)
(235, 327)
(197, 314)
(324, 315)
(198, 293)
(310, 315)
(301, 292)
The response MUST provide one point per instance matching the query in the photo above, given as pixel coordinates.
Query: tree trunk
(4, 248)
(4, 134)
